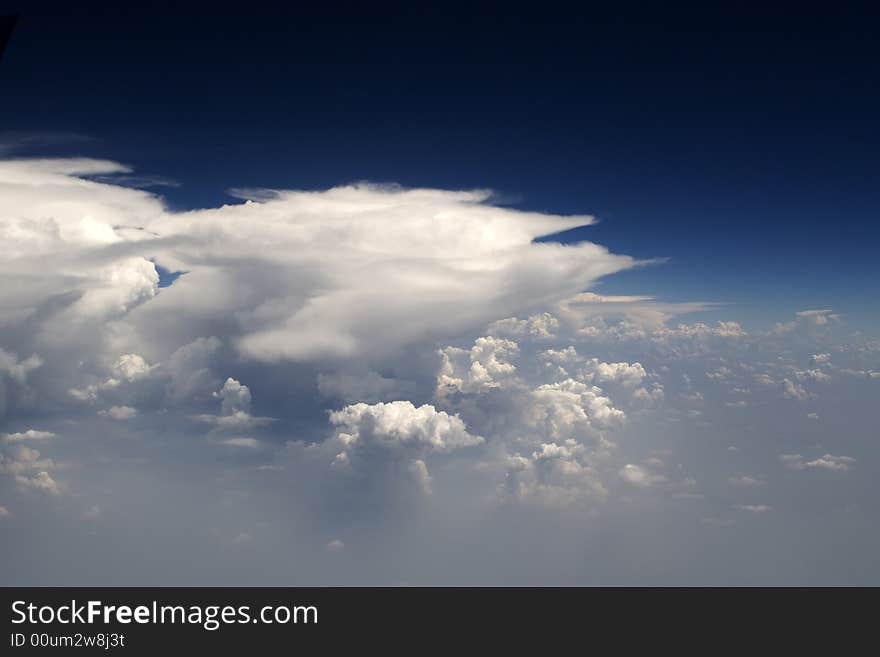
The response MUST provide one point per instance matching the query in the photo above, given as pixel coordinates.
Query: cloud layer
(400, 386)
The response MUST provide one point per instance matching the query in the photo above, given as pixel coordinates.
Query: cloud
(487, 364)
(638, 476)
(553, 475)
(809, 320)
(792, 390)
(119, 412)
(28, 469)
(235, 398)
(622, 373)
(373, 267)
(409, 370)
(398, 426)
(251, 443)
(30, 434)
(825, 462)
(131, 367)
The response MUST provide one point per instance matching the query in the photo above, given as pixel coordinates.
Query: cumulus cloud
(119, 412)
(30, 434)
(553, 475)
(390, 440)
(28, 469)
(373, 267)
(794, 390)
(251, 443)
(638, 476)
(825, 462)
(399, 426)
(235, 398)
(808, 320)
(235, 406)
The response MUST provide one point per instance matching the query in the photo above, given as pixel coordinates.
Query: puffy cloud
(373, 267)
(131, 367)
(17, 369)
(486, 365)
(655, 395)
(235, 405)
(794, 390)
(552, 475)
(399, 425)
(543, 325)
(638, 476)
(119, 413)
(235, 398)
(30, 434)
(372, 439)
(28, 469)
(571, 408)
(14, 373)
(808, 320)
(622, 373)
(825, 462)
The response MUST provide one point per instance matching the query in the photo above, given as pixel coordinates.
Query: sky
(397, 295)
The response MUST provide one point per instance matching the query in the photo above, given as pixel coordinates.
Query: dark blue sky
(742, 145)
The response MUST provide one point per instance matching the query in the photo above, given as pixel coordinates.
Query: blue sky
(740, 145)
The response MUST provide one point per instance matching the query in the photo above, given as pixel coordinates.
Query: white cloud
(562, 408)
(372, 439)
(543, 325)
(251, 443)
(825, 462)
(28, 469)
(808, 320)
(485, 365)
(622, 373)
(120, 413)
(794, 390)
(639, 476)
(30, 434)
(399, 425)
(235, 398)
(18, 369)
(812, 375)
(235, 404)
(131, 367)
(552, 475)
